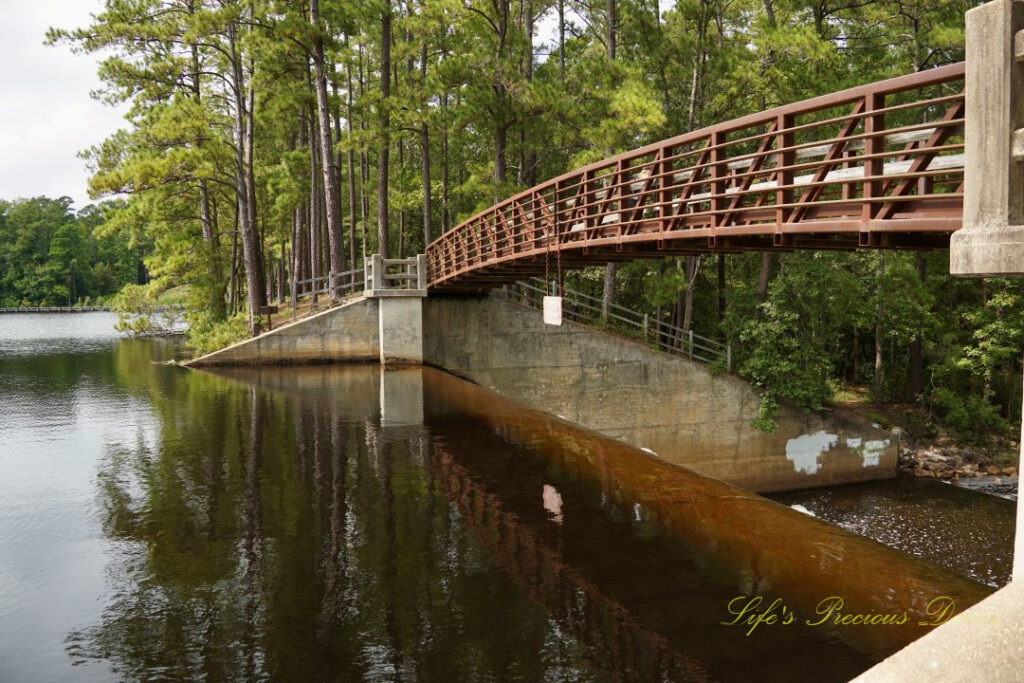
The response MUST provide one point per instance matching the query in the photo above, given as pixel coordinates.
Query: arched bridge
(879, 165)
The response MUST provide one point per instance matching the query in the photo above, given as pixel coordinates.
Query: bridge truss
(877, 166)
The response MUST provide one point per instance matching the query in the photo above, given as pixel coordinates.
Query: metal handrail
(877, 165)
(586, 309)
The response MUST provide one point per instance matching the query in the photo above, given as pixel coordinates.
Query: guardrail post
(294, 296)
(690, 335)
(646, 321)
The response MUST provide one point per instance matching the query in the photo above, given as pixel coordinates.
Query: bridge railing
(582, 308)
(395, 276)
(876, 164)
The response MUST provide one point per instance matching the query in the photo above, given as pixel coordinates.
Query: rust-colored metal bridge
(878, 166)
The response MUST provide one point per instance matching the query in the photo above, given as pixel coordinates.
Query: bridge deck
(879, 165)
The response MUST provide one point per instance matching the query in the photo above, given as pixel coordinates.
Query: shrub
(971, 417)
(206, 334)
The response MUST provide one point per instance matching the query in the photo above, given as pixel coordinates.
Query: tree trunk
(877, 383)
(401, 212)
(608, 292)
(691, 283)
(561, 40)
(300, 248)
(351, 167)
(233, 296)
(762, 278)
(611, 269)
(315, 231)
(612, 27)
(425, 149)
(210, 237)
(364, 163)
(721, 296)
(916, 355)
(246, 212)
(445, 215)
(332, 196)
(500, 145)
(384, 138)
(250, 183)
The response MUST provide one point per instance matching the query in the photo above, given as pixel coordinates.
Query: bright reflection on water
(342, 523)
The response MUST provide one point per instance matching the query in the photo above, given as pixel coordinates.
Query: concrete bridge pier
(400, 316)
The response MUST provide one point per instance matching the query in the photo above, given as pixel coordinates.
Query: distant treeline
(52, 256)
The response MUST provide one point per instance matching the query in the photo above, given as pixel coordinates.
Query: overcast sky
(46, 113)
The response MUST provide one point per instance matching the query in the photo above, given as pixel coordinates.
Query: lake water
(347, 523)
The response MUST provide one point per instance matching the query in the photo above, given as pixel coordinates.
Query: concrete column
(991, 241)
(401, 329)
(421, 272)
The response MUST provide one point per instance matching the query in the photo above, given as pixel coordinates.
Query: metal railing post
(690, 335)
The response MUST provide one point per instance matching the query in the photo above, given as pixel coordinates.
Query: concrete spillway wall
(673, 407)
(349, 332)
(677, 408)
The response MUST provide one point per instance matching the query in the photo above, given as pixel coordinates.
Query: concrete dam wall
(675, 408)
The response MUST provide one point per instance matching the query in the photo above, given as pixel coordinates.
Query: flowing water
(349, 523)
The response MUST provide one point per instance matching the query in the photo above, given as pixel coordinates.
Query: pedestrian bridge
(879, 165)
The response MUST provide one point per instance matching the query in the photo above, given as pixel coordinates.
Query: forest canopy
(53, 256)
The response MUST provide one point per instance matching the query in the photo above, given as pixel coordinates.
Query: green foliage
(51, 256)
(207, 334)
(140, 313)
(971, 417)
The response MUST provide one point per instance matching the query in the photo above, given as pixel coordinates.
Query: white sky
(46, 113)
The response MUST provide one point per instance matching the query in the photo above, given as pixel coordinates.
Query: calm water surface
(345, 523)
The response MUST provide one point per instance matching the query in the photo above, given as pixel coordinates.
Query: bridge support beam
(991, 242)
